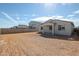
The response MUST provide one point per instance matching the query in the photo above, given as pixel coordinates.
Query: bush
(76, 31)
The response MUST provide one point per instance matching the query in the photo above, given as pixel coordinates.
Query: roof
(51, 21)
(34, 22)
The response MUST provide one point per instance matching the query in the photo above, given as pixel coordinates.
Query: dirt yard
(32, 44)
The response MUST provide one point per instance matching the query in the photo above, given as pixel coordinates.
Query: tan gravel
(32, 44)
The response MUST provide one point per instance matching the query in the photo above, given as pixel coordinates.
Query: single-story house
(56, 27)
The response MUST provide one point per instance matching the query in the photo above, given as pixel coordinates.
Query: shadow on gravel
(62, 37)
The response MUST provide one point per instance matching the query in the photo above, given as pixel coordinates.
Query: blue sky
(14, 14)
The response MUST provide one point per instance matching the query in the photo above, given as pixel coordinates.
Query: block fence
(8, 31)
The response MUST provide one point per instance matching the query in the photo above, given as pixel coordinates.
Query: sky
(12, 14)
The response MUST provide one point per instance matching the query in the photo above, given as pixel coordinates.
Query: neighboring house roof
(51, 21)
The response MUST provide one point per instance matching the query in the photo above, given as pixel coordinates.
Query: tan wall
(7, 31)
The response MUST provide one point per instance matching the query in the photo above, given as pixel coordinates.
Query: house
(56, 27)
(34, 25)
(20, 27)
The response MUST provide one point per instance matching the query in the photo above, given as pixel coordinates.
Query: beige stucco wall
(68, 28)
(45, 28)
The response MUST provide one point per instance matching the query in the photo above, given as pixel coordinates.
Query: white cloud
(18, 18)
(76, 12)
(22, 22)
(66, 4)
(45, 18)
(70, 15)
(73, 14)
(75, 21)
(9, 17)
(18, 21)
(57, 17)
(41, 19)
(63, 3)
(48, 6)
(33, 15)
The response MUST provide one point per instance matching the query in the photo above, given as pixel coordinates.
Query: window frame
(61, 27)
(50, 27)
(41, 28)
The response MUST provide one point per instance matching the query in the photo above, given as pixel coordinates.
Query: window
(50, 27)
(30, 27)
(60, 27)
(41, 28)
(63, 28)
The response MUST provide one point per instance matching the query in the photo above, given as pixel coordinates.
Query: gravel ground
(33, 44)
